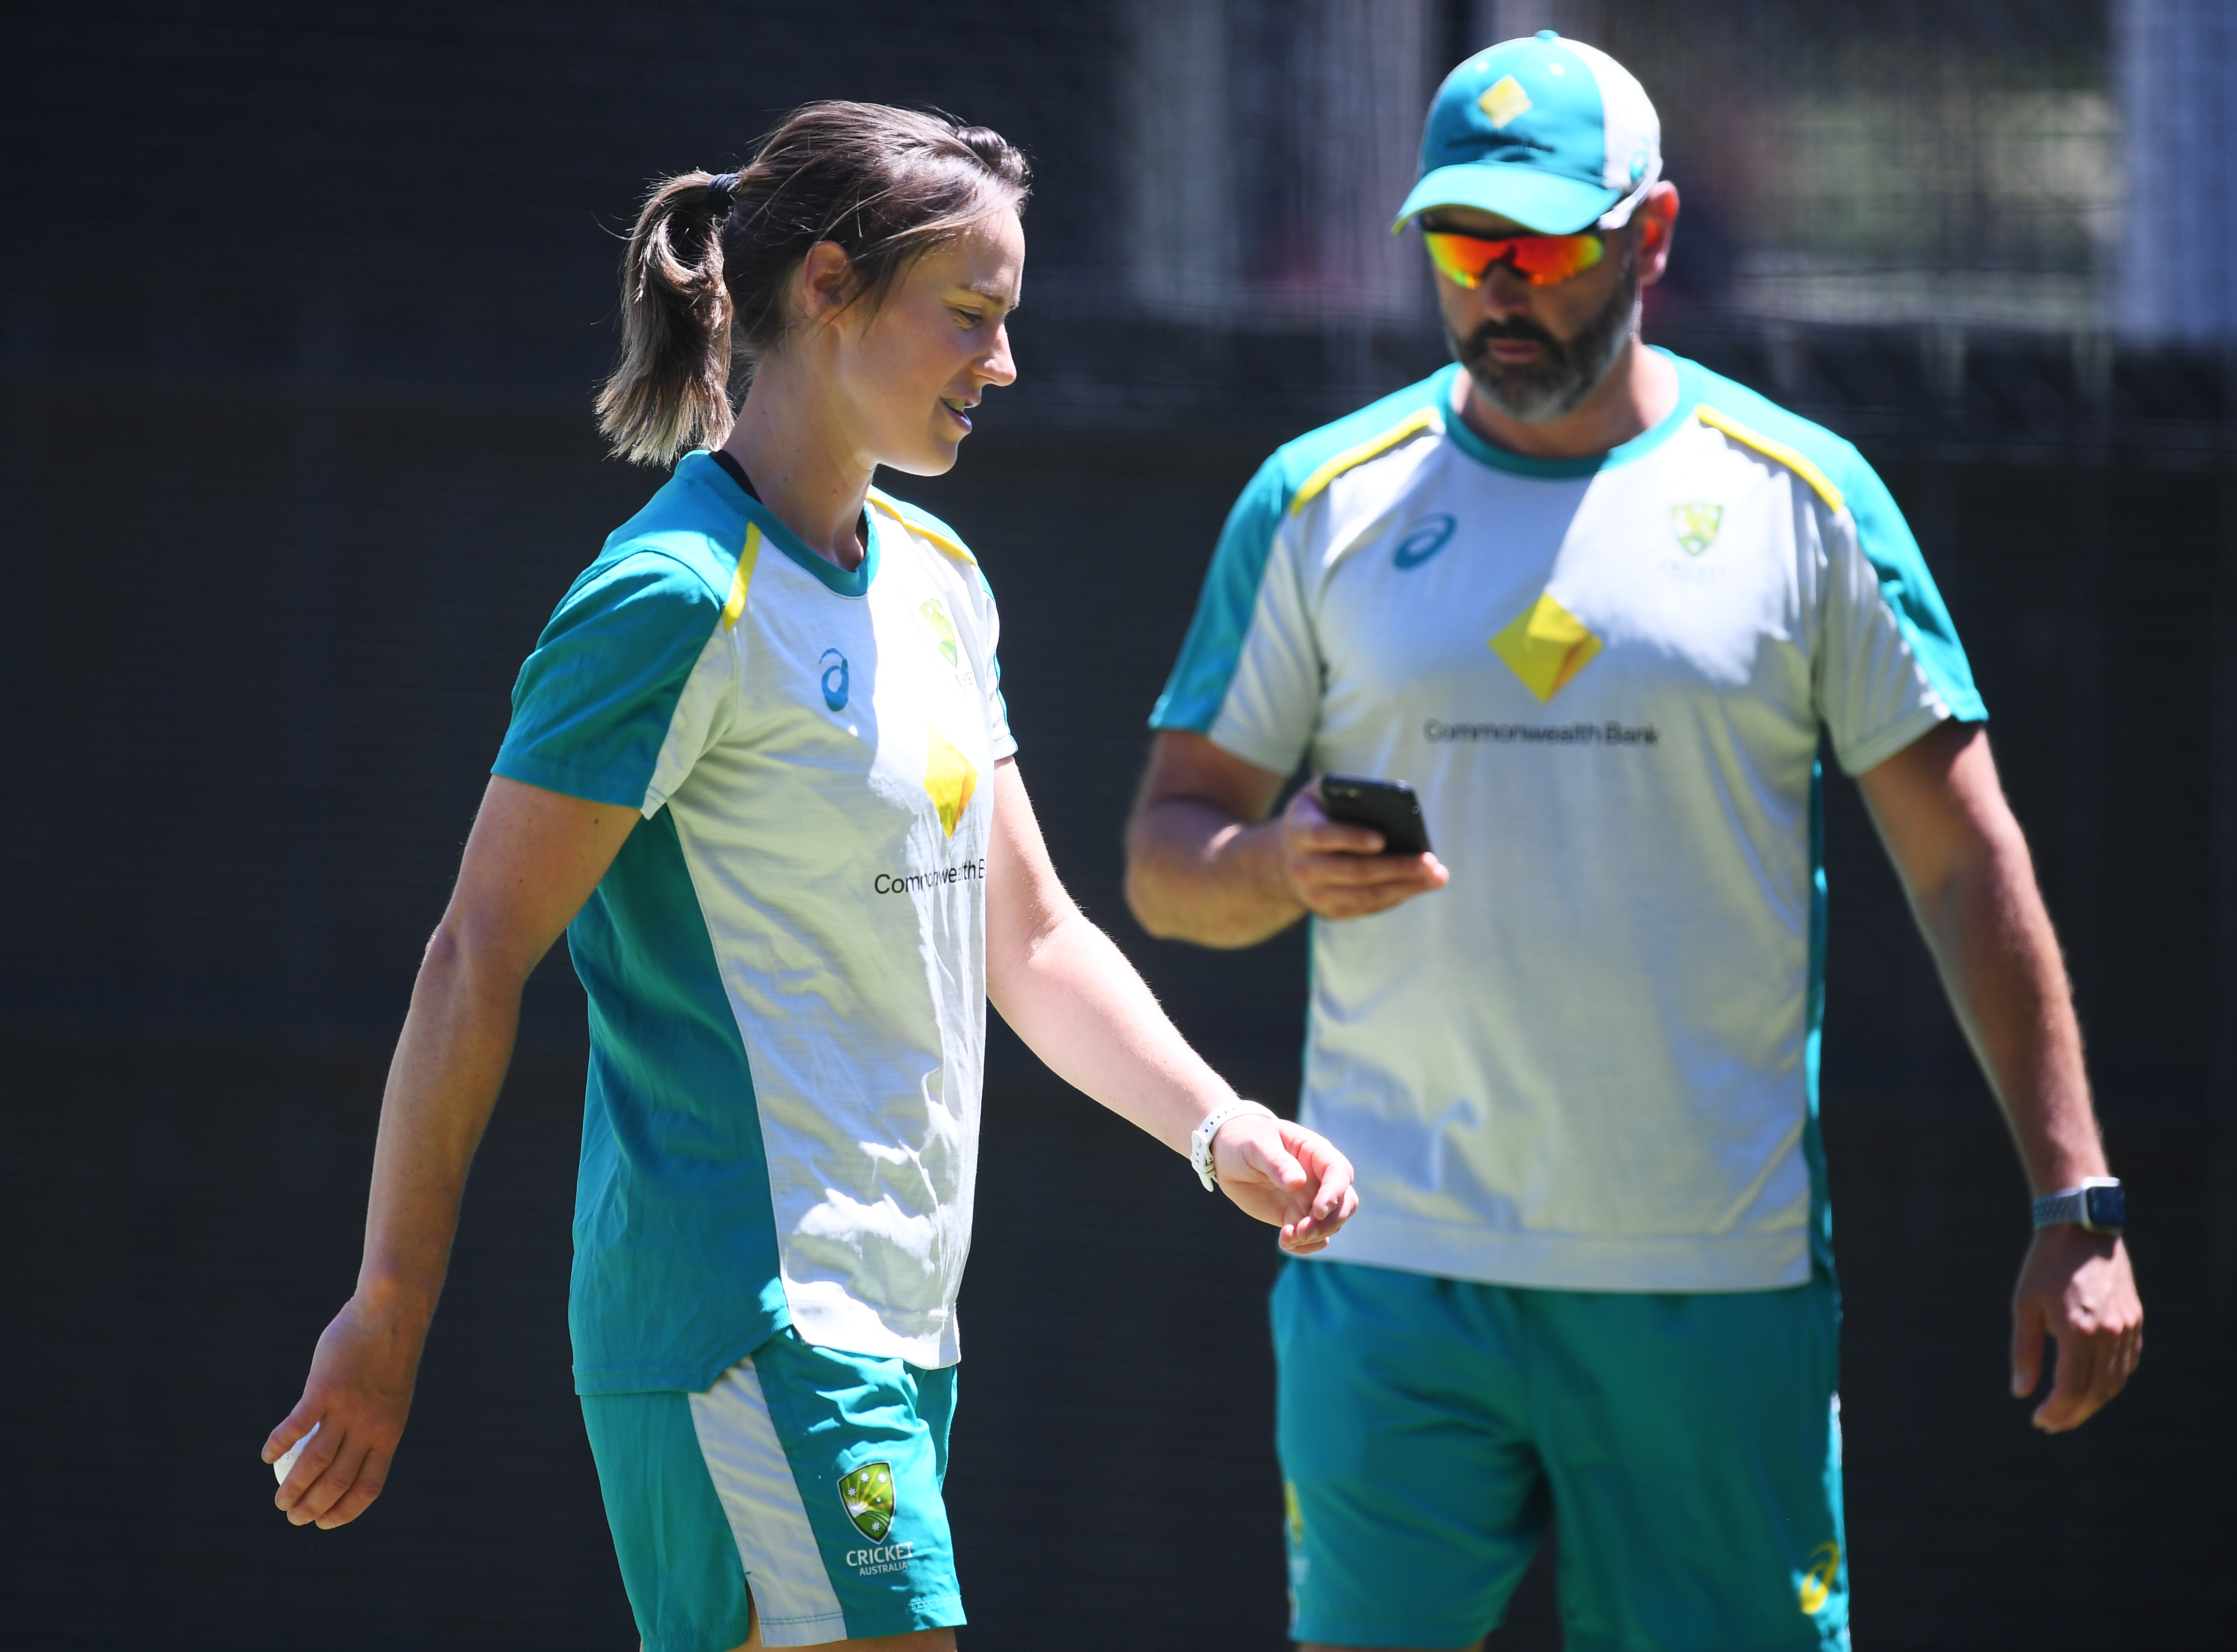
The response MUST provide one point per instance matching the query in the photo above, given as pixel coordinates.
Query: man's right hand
(1205, 863)
(359, 1394)
(1338, 871)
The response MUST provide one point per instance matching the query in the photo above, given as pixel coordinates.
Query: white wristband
(1206, 1133)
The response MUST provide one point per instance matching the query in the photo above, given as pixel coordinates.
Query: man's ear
(1658, 216)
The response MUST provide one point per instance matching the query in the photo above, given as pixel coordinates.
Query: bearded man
(1598, 606)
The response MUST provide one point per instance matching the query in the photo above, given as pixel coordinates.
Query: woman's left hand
(1286, 1174)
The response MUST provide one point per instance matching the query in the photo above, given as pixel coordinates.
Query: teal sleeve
(1885, 540)
(1213, 648)
(593, 703)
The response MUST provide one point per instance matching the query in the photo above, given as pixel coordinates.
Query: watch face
(2105, 1207)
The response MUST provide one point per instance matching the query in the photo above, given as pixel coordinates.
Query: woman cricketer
(759, 771)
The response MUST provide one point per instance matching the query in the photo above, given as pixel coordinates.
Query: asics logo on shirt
(1422, 541)
(1816, 1586)
(835, 679)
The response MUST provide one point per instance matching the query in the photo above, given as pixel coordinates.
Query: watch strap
(2072, 1205)
(1200, 1159)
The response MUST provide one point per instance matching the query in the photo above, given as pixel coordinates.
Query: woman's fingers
(1333, 1197)
(1290, 1176)
(317, 1455)
(364, 1486)
(350, 1417)
(332, 1485)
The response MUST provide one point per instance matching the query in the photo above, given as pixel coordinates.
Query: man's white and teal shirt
(785, 964)
(1590, 1061)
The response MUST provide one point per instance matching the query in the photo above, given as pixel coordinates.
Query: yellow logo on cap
(949, 779)
(1505, 102)
(1546, 647)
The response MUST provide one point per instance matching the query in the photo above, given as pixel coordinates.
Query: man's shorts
(807, 1476)
(1688, 1445)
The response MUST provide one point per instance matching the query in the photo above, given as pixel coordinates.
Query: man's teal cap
(1551, 132)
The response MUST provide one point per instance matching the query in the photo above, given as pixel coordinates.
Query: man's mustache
(1520, 327)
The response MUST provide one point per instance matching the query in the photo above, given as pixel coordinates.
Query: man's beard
(1537, 392)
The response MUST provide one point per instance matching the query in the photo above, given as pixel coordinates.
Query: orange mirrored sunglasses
(1540, 259)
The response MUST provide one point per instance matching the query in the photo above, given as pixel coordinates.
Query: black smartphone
(1387, 806)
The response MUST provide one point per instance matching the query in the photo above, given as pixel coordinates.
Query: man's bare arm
(1964, 865)
(1205, 864)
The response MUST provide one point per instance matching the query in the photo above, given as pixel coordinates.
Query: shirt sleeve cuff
(1876, 749)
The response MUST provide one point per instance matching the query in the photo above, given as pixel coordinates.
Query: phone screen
(1387, 806)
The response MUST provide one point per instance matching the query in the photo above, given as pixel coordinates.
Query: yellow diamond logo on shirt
(1545, 646)
(949, 781)
(867, 1497)
(1505, 102)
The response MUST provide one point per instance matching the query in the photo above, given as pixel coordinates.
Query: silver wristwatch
(2097, 1206)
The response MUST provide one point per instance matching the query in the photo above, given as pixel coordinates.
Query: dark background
(302, 315)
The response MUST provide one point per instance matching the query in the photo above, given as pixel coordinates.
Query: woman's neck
(788, 441)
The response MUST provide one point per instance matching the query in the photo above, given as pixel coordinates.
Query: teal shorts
(1689, 1446)
(804, 1485)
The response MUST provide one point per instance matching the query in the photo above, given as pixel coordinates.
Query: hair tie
(720, 189)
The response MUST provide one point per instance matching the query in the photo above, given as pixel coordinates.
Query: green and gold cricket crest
(939, 630)
(867, 1494)
(934, 615)
(1696, 525)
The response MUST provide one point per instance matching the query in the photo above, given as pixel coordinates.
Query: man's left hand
(2076, 1286)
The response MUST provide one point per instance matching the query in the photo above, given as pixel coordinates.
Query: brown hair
(705, 276)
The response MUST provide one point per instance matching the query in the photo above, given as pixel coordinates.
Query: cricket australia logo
(1696, 525)
(941, 627)
(932, 613)
(868, 1496)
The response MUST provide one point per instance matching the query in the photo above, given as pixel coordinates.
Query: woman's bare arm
(531, 861)
(1072, 997)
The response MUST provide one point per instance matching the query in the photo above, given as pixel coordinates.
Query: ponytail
(670, 391)
(707, 276)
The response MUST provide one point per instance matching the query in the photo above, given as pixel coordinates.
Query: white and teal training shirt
(1590, 1061)
(785, 964)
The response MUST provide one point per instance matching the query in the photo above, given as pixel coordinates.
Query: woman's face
(909, 373)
